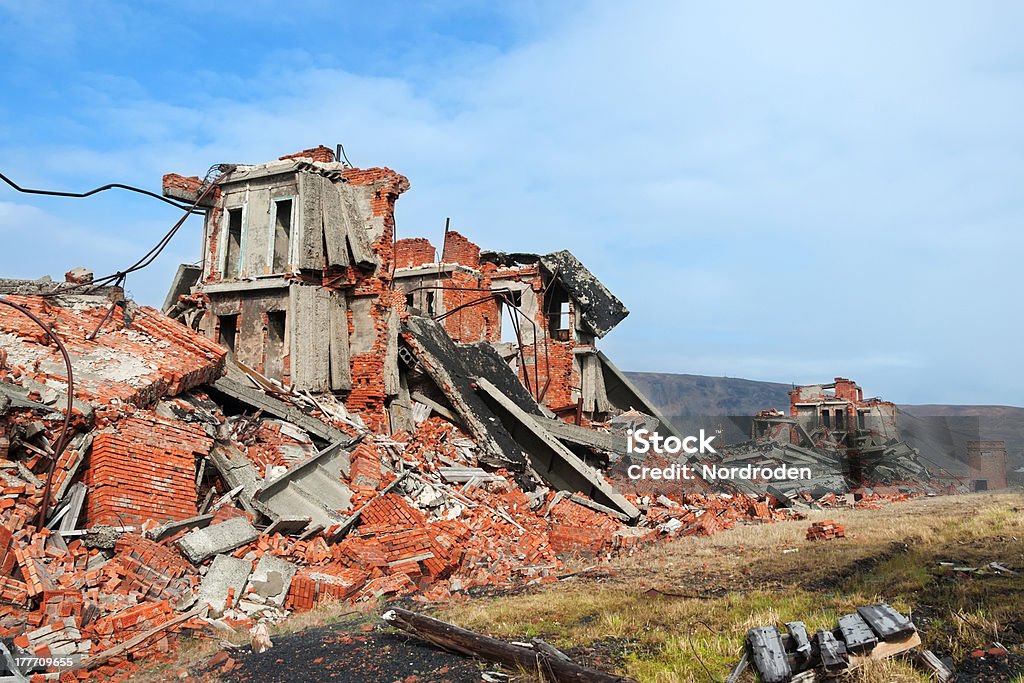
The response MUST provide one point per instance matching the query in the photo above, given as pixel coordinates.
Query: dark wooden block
(833, 652)
(768, 654)
(859, 637)
(886, 622)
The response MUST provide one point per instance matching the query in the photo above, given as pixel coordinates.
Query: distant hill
(938, 430)
(695, 395)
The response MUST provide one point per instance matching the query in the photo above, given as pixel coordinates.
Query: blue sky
(781, 191)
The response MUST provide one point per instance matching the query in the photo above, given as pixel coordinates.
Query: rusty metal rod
(62, 439)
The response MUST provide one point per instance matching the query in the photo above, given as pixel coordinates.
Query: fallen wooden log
(935, 666)
(455, 639)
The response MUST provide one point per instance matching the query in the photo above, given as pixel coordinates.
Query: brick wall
(324, 155)
(987, 462)
(368, 392)
(458, 249)
(414, 251)
(477, 322)
(144, 469)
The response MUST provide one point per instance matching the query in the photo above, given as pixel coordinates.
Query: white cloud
(855, 165)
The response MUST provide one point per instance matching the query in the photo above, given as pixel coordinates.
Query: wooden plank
(833, 652)
(463, 474)
(928, 661)
(768, 654)
(549, 649)
(857, 634)
(335, 226)
(127, 645)
(311, 241)
(888, 648)
(886, 622)
(514, 657)
(341, 369)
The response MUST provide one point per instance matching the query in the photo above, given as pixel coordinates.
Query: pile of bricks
(825, 531)
(145, 449)
(142, 469)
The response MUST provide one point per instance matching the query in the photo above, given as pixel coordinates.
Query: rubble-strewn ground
(678, 612)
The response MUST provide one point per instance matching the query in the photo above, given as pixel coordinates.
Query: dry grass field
(678, 612)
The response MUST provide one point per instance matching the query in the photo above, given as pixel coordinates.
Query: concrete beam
(311, 489)
(550, 458)
(437, 354)
(583, 436)
(273, 406)
(200, 544)
(625, 395)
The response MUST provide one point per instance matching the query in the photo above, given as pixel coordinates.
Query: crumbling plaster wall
(342, 227)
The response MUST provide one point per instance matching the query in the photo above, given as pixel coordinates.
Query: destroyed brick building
(851, 444)
(303, 280)
(986, 461)
(838, 412)
(323, 412)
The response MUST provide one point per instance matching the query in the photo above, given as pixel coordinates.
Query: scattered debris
(872, 632)
(824, 531)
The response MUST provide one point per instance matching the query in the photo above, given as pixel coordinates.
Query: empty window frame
(276, 347)
(282, 212)
(234, 222)
(557, 309)
(826, 418)
(227, 331)
(510, 315)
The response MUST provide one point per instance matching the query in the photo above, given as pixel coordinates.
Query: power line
(95, 190)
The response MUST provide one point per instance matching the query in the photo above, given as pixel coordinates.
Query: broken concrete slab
(483, 360)
(551, 459)
(441, 359)
(184, 280)
(200, 544)
(171, 528)
(237, 470)
(311, 489)
(599, 310)
(225, 579)
(625, 395)
(257, 398)
(271, 579)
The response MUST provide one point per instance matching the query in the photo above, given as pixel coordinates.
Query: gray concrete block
(271, 579)
(225, 573)
(199, 544)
